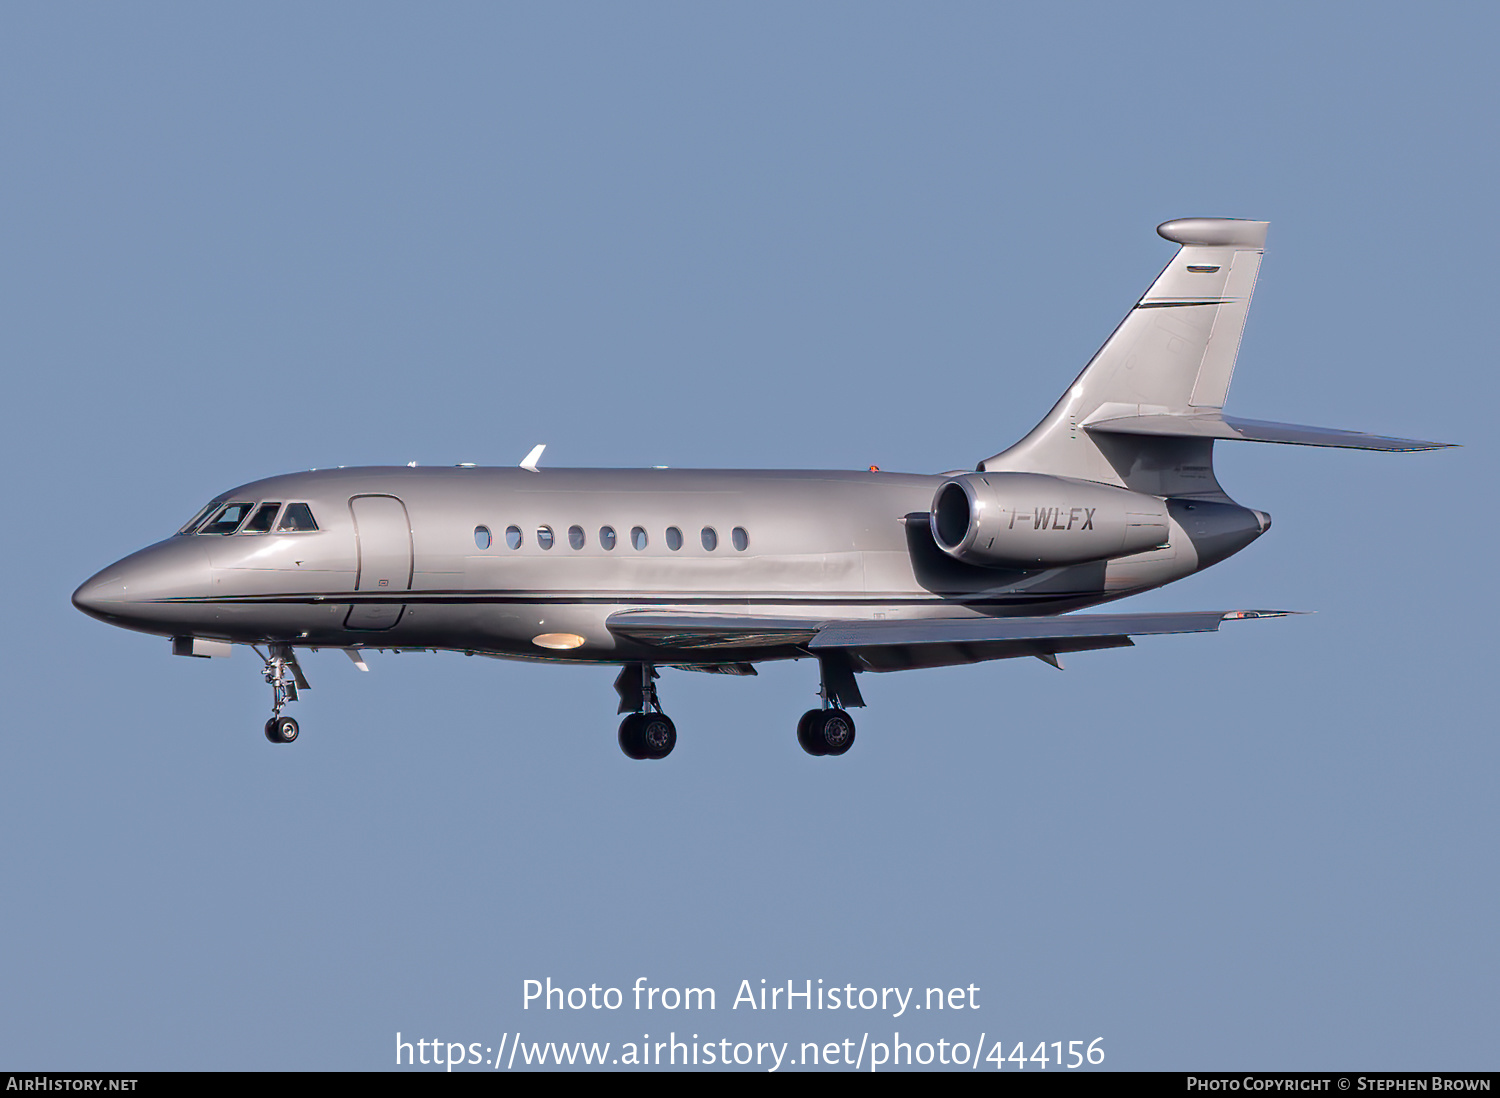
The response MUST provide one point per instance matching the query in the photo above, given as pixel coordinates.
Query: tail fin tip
(1214, 232)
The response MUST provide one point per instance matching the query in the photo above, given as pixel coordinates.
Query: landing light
(559, 641)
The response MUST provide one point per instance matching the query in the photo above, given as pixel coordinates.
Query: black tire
(804, 732)
(631, 742)
(834, 731)
(281, 730)
(658, 735)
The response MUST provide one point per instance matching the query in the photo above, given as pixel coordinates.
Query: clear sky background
(243, 240)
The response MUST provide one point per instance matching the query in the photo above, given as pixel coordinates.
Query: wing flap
(913, 657)
(693, 631)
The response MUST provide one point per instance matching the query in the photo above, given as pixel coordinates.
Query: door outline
(373, 617)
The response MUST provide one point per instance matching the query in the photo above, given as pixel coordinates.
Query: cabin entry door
(382, 533)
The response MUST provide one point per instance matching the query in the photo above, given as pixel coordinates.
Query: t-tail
(1146, 410)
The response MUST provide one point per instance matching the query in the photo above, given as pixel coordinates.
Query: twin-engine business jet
(707, 570)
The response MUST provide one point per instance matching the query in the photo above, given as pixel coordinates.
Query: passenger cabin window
(297, 518)
(227, 519)
(609, 539)
(264, 519)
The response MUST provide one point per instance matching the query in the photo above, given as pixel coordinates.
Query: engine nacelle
(1029, 520)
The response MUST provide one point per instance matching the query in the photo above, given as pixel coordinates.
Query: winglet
(529, 461)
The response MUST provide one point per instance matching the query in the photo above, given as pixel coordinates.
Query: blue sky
(256, 239)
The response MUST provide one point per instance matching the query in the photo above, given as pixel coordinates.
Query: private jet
(1111, 494)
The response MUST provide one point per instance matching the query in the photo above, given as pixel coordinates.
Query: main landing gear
(825, 731)
(646, 732)
(285, 679)
(830, 730)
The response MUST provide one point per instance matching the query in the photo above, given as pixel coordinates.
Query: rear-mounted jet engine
(1031, 520)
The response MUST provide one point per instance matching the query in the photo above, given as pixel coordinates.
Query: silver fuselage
(396, 562)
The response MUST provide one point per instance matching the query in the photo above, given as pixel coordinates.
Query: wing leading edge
(907, 644)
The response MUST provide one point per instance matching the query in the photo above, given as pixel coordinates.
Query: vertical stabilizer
(1173, 354)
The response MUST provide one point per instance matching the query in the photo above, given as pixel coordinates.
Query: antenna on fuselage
(529, 461)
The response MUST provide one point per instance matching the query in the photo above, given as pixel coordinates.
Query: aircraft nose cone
(99, 594)
(141, 591)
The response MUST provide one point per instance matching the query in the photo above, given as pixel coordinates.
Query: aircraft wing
(692, 631)
(922, 642)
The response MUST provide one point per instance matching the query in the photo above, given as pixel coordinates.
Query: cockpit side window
(261, 522)
(297, 516)
(227, 519)
(197, 520)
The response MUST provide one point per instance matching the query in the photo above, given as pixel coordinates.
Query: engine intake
(1030, 520)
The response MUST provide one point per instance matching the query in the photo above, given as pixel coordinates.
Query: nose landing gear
(646, 732)
(285, 678)
(281, 730)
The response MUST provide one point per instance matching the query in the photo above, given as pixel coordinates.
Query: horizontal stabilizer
(1254, 430)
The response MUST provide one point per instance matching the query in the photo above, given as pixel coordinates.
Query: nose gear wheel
(285, 678)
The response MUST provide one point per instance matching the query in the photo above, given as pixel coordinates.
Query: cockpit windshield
(298, 516)
(264, 517)
(197, 520)
(227, 519)
(220, 517)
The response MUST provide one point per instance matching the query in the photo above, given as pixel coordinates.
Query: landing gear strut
(830, 730)
(285, 679)
(646, 732)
